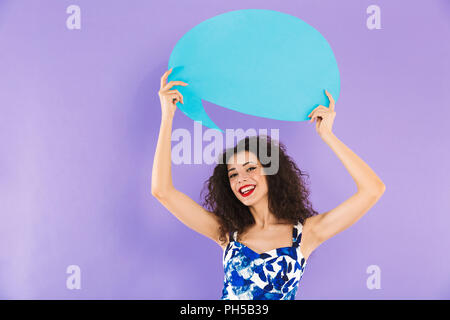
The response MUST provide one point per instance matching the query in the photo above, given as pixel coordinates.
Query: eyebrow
(242, 165)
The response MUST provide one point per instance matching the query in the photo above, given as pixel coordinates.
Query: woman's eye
(235, 174)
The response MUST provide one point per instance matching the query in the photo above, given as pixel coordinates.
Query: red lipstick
(249, 192)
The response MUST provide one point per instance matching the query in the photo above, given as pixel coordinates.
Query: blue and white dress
(272, 275)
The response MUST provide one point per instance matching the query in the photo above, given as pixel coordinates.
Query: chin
(248, 202)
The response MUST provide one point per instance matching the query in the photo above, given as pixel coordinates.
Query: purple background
(79, 123)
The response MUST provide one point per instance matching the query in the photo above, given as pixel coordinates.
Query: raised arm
(179, 204)
(370, 188)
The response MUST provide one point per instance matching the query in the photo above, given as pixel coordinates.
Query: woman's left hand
(324, 117)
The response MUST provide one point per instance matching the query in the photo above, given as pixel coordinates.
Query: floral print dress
(272, 275)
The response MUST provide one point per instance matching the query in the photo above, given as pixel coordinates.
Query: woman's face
(246, 178)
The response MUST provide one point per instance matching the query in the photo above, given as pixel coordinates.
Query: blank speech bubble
(258, 62)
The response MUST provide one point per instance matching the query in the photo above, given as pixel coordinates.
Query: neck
(262, 215)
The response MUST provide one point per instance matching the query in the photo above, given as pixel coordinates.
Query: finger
(174, 98)
(325, 110)
(330, 97)
(164, 78)
(320, 107)
(316, 116)
(178, 96)
(174, 91)
(174, 83)
(319, 113)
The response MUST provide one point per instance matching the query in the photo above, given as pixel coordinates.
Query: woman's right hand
(168, 97)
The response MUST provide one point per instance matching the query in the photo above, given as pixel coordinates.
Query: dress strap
(297, 234)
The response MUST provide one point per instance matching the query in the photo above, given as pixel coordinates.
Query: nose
(243, 177)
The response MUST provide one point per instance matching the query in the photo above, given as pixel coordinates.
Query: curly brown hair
(288, 193)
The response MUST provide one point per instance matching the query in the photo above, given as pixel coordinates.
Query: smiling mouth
(247, 190)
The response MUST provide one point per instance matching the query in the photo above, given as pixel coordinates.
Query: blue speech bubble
(258, 62)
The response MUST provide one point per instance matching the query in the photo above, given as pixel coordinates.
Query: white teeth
(244, 190)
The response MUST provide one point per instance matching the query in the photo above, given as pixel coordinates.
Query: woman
(264, 223)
